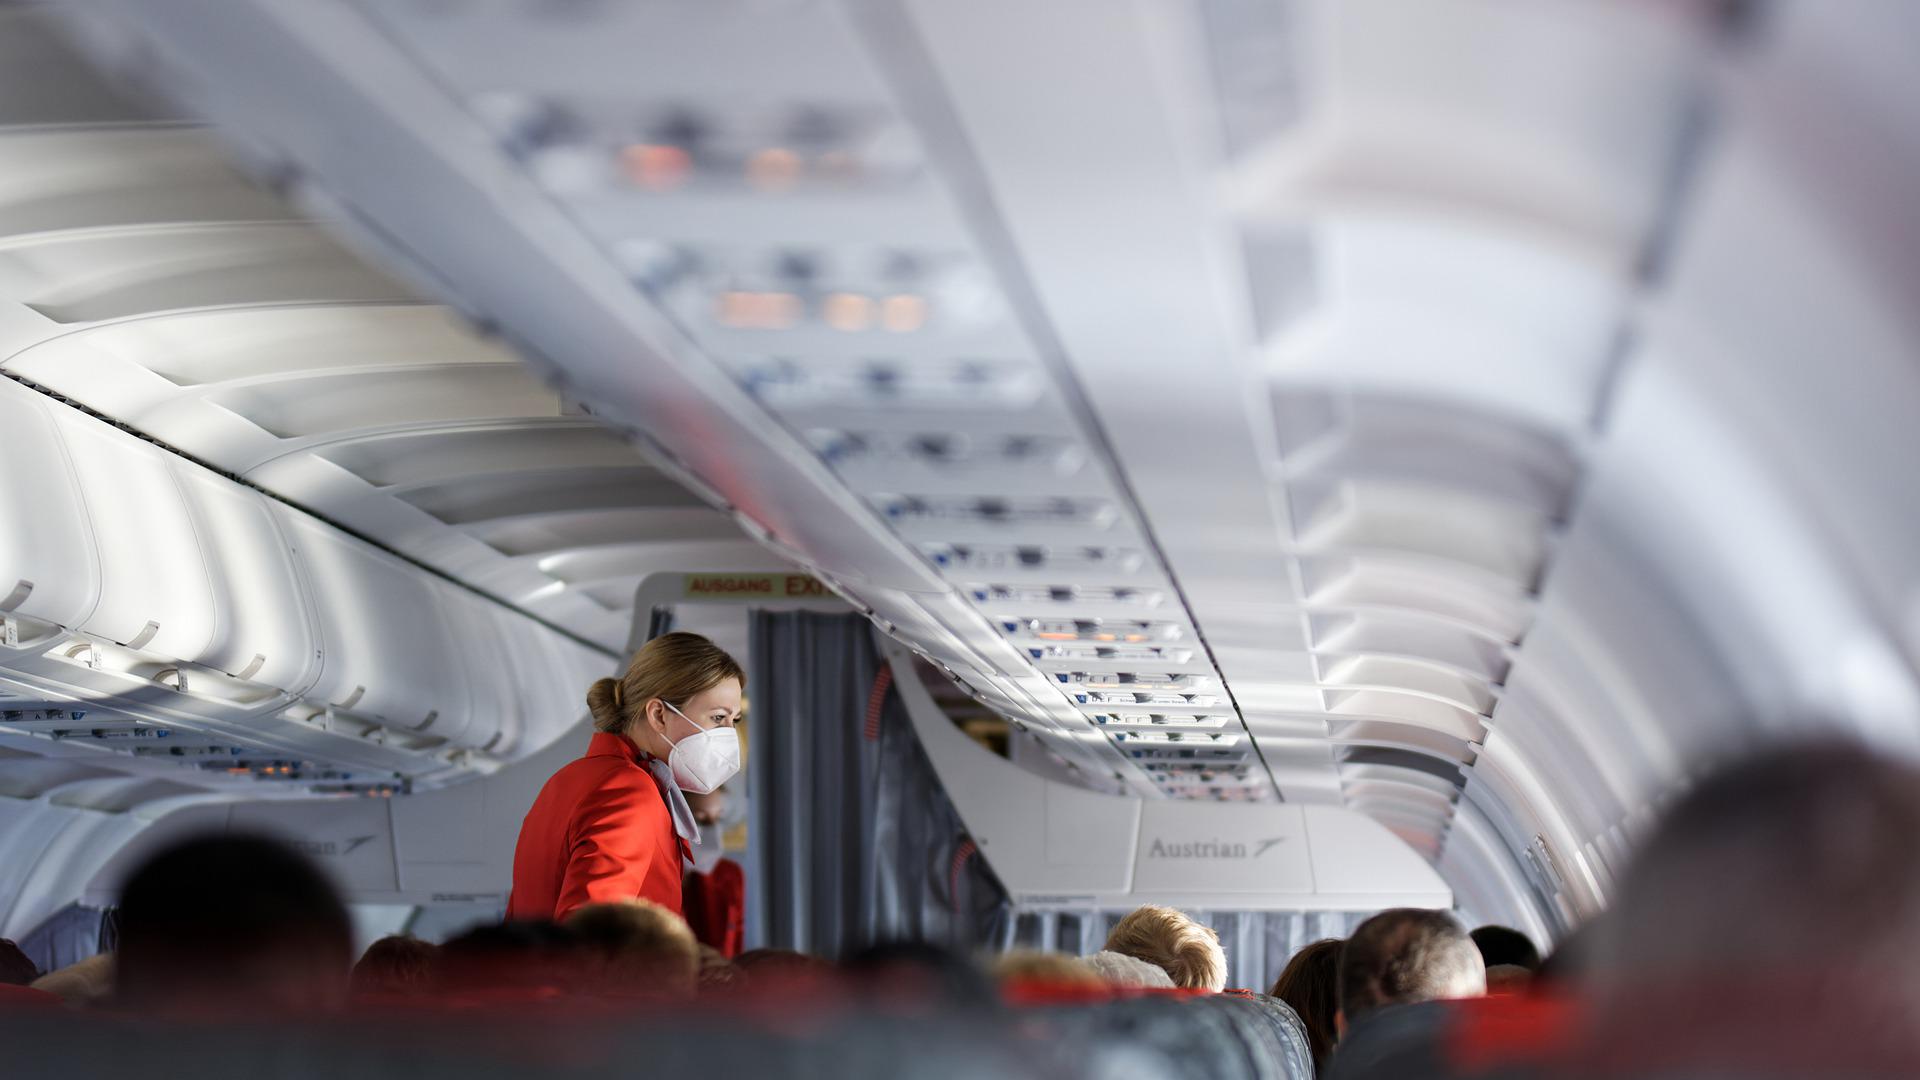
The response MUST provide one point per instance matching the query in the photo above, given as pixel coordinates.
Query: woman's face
(717, 706)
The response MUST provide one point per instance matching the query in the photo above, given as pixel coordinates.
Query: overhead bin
(50, 569)
(262, 631)
(155, 590)
(388, 650)
(162, 598)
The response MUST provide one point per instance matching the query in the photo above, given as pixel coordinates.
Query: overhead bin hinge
(179, 677)
(251, 669)
(146, 634)
(352, 699)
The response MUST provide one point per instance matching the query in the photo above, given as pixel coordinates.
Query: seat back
(1392, 1042)
(1196, 1040)
(1273, 1033)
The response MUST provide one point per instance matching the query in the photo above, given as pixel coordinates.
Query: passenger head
(15, 968)
(1119, 969)
(1501, 945)
(1189, 952)
(396, 966)
(1794, 867)
(1310, 985)
(1053, 969)
(635, 948)
(232, 922)
(525, 957)
(780, 969)
(917, 977)
(717, 973)
(681, 670)
(1571, 955)
(1407, 955)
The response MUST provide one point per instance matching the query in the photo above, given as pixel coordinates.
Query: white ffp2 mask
(705, 759)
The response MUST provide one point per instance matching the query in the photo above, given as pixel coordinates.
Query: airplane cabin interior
(1281, 461)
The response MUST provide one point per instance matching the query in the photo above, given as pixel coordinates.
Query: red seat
(26, 997)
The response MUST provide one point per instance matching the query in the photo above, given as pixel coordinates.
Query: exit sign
(755, 587)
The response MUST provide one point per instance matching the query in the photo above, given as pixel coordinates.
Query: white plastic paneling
(525, 687)
(155, 594)
(44, 534)
(387, 650)
(262, 631)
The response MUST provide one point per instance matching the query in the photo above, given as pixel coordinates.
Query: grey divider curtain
(1258, 944)
(71, 935)
(852, 839)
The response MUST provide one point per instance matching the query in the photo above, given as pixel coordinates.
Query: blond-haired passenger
(1188, 952)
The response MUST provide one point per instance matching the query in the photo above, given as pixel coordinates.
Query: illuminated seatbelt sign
(754, 587)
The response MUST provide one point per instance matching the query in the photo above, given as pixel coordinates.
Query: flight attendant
(615, 825)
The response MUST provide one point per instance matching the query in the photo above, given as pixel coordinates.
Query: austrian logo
(1211, 849)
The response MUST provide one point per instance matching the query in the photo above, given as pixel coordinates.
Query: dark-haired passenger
(1404, 956)
(1310, 985)
(400, 965)
(634, 949)
(227, 924)
(1783, 893)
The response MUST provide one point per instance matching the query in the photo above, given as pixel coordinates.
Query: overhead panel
(776, 207)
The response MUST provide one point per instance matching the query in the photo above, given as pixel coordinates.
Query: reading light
(850, 312)
(746, 310)
(774, 169)
(903, 313)
(656, 167)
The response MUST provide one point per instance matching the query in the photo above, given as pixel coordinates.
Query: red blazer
(717, 906)
(599, 831)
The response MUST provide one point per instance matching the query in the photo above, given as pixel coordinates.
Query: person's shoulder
(622, 785)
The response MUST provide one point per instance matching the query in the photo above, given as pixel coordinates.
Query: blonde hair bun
(672, 667)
